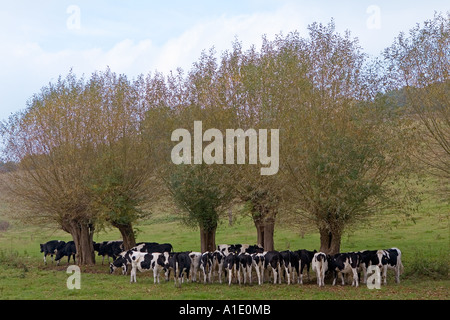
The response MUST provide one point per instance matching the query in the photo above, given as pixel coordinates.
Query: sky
(41, 40)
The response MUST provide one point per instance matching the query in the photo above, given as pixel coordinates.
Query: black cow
(245, 262)
(254, 249)
(150, 247)
(258, 264)
(369, 258)
(305, 259)
(68, 250)
(181, 263)
(110, 249)
(230, 264)
(345, 263)
(51, 247)
(290, 260)
(274, 260)
(218, 263)
(206, 265)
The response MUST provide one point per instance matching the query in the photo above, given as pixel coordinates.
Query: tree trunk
(259, 232)
(126, 230)
(83, 235)
(330, 242)
(208, 239)
(269, 227)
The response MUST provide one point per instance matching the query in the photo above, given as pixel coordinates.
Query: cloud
(221, 31)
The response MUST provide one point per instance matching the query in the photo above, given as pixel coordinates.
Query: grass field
(424, 242)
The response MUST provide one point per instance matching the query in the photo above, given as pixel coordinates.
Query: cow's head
(42, 247)
(112, 268)
(380, 259)
(163, 259)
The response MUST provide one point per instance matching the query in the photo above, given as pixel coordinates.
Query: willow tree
(419, 65)
(54, 146)
(122, 180)
(82, 161)
(342, 149)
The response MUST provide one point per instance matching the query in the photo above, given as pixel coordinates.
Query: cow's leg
(133, 274)
(397, 273)
(288, 273)
(275, 274)
(334, 277)
(355, 278)
(385, 274)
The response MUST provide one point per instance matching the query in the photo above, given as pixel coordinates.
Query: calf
(320, 266)
(245, 262)
(305, 259)
(345, 263)
(68, 250)
(206, 265)
(274, 260)
(51, 247)
(392, 258)
(148, 261)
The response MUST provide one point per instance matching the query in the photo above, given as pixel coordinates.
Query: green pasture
(424, 242)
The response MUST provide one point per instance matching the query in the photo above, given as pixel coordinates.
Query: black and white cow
(51, 247)
(345, 263)
(254, 249)
(239, 248)
(149, 261)
(231, 263)
(67, 250)
(195, 264)
(110, 249)
(206, 266)
(218, 264)
(151, 247)
(181, 263)
(258, 264)
(369, 258)
(225, 249)
(274, 260)
(144, 246)
(305, 259)
(392, 259)
(122, 261)
(245, 262)
(319, 265)
(290, 261)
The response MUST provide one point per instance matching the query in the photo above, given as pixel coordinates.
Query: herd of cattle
(233, 260)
